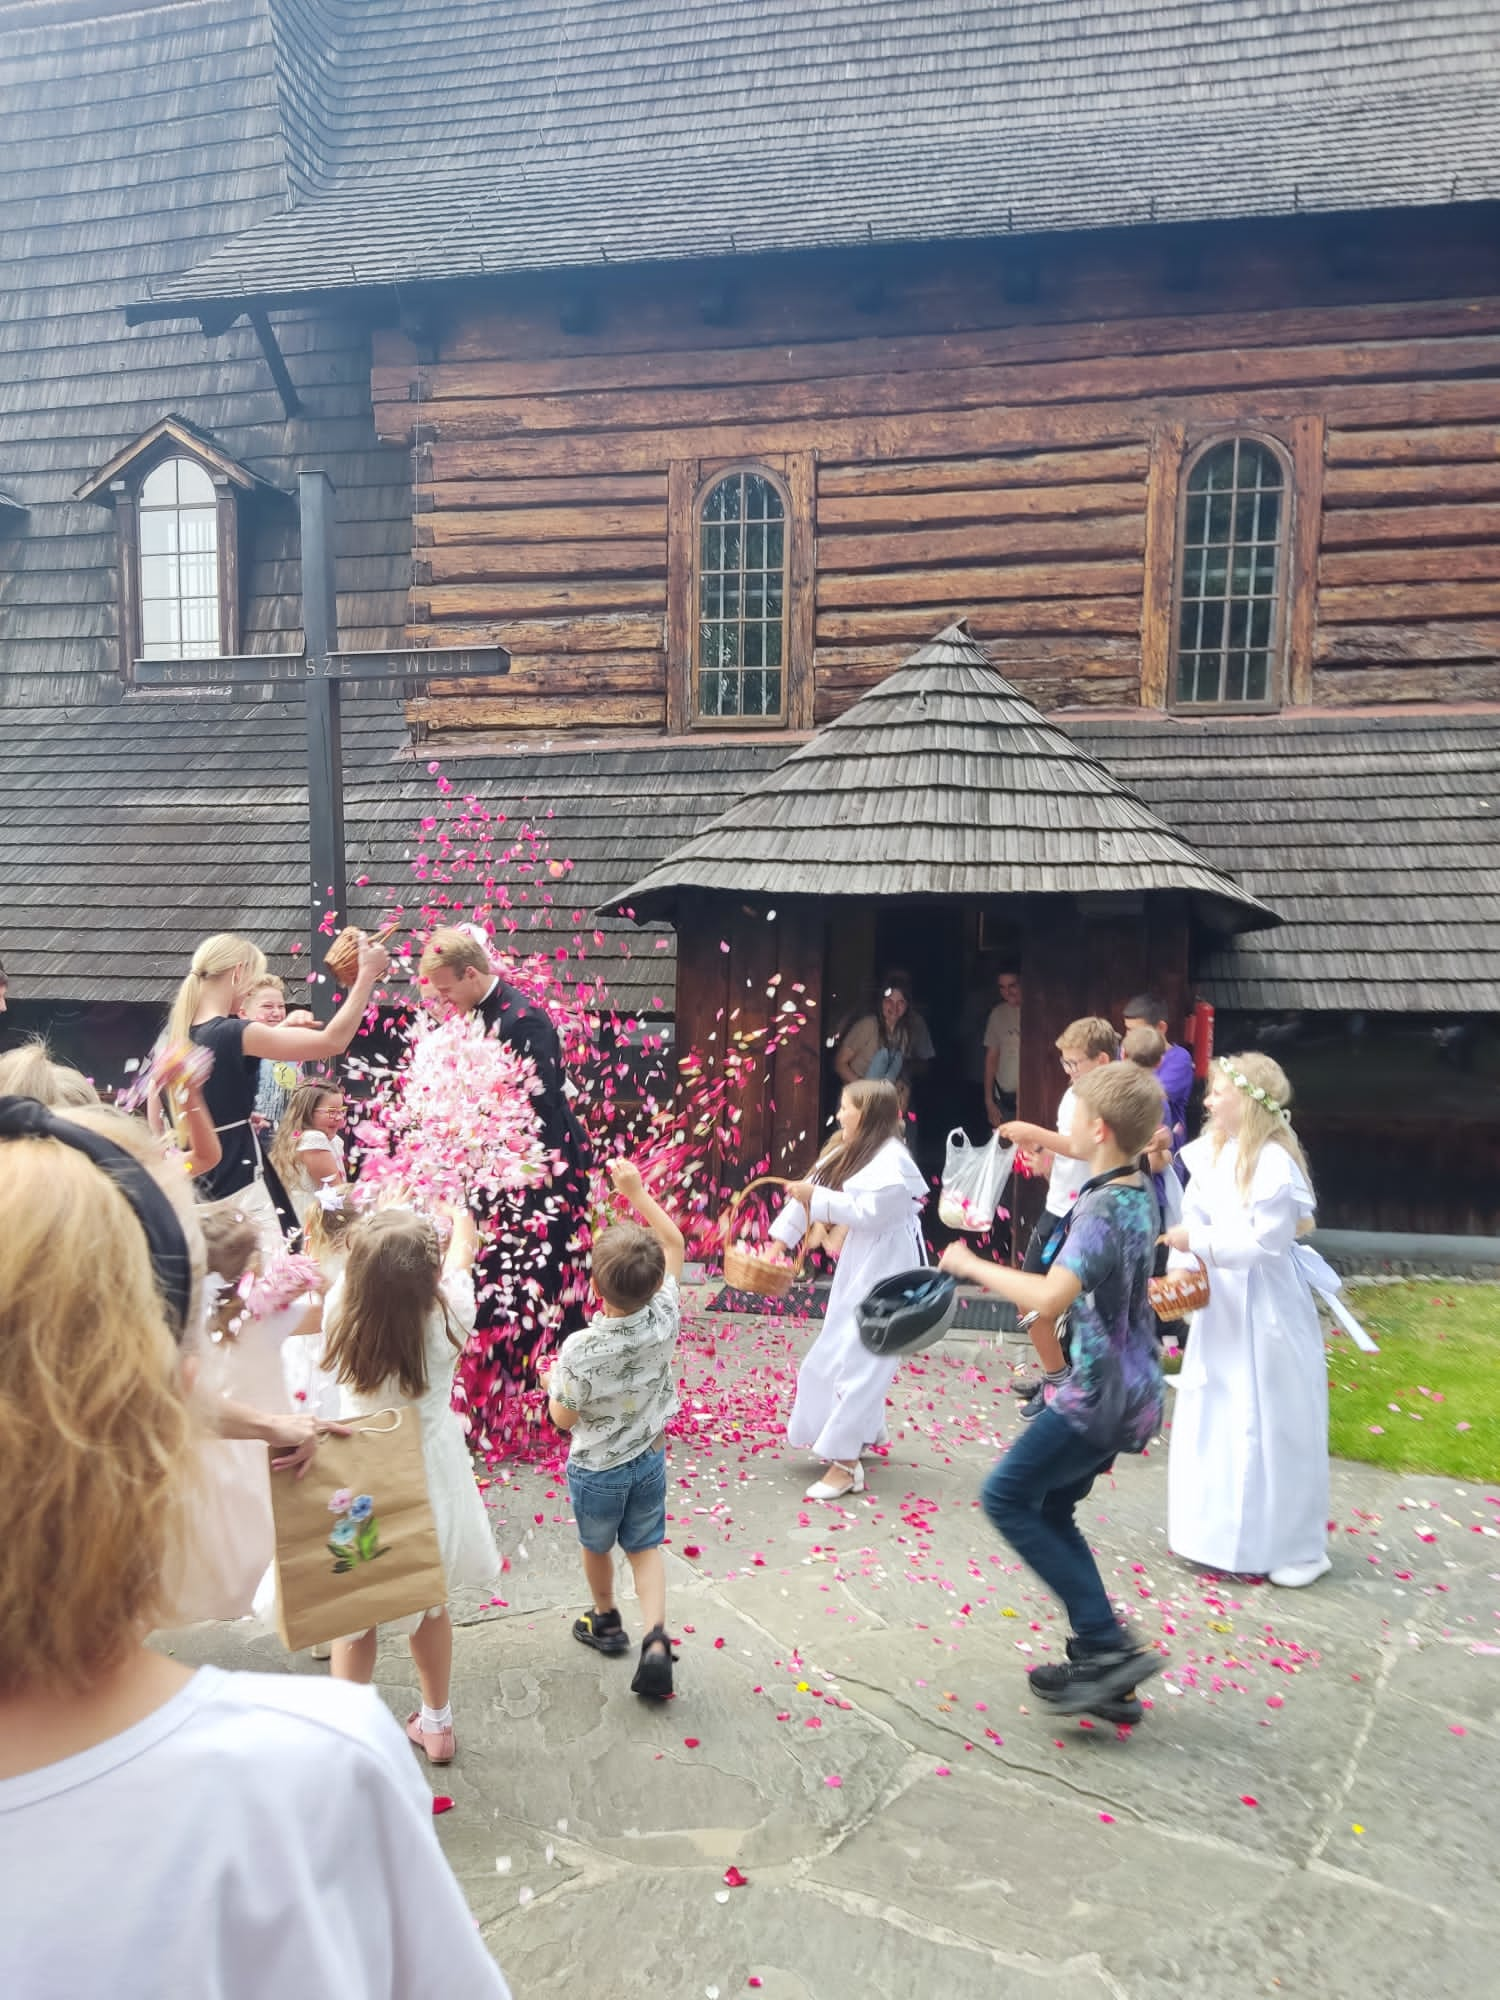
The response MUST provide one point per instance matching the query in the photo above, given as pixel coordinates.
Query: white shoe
(823, 1491)
(1296, 1576)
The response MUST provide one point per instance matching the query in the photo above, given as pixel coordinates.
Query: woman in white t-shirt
(308, 1150)
(164, 1831)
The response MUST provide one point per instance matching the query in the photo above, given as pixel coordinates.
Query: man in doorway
(1175, 1070)
(1002, 1050)
(552, 1220)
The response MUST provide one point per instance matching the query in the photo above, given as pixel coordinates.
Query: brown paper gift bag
(356, 1544)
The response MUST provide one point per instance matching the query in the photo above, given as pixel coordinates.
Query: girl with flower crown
(1247, 1480)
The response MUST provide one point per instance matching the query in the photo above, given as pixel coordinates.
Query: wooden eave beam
(286, 388)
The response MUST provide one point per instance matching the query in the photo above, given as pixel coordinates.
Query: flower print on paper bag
(356, 1538)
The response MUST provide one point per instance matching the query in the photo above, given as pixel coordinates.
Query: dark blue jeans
(1030, 1496)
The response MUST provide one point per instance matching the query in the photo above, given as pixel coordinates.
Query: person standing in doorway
(1002, 1050)
(890, 1045)
(548, 1244)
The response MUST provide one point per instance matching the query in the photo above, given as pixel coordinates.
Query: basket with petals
(342, 956)
(748, 1270)
(1177, 1293)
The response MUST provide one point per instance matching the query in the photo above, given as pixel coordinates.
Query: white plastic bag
(974, 1179)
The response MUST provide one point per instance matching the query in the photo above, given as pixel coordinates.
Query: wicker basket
(745, 1270)
(342, 956)
(1179, 1293)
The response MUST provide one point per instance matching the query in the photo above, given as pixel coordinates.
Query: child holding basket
(866, 1184)
(1247, 1480)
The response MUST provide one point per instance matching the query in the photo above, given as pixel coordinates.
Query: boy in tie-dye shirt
(1108, 1400)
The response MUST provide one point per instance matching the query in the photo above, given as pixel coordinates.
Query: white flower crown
(1261, 1096)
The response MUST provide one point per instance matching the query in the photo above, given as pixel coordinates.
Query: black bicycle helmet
(910, 1311)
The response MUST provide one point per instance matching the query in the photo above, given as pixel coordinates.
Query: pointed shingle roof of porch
(942, 781)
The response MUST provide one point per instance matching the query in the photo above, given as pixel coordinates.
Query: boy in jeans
(614, 1388)
(1111, 1399)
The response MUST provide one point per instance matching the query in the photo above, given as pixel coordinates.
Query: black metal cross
(321, 670)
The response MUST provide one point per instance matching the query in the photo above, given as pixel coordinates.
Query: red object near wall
(1200, 1037)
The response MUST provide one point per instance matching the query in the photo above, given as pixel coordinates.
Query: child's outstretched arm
(1050, 1294)
(626, 1178)
(1037, 1139)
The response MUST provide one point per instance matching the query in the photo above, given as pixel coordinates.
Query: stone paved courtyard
(1310, 1808)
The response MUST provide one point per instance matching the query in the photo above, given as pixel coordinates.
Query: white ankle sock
(434, 1719)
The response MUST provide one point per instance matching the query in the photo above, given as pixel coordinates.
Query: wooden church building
(972, 487)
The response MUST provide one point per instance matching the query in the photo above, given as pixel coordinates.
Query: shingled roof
(126, 833)
(942, 781)
(439, 139)
(129, 833)
(1377, 838)
(131, 143)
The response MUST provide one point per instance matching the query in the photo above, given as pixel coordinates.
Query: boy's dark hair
(1144, 1045)
(629, 1266)
(1145, 1007)
(1127, 1099)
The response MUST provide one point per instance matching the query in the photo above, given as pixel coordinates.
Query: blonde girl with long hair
(396, 1324)
(224, 970)
(308, 1151)
(866, 1185)
(1247, 1485)
(155, 1782)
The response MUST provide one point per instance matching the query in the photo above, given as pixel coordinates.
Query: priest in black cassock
(529, 1275)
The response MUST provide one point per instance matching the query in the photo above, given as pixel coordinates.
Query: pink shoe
(437, 1744)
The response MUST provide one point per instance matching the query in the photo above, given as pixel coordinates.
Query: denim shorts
(627, 1504)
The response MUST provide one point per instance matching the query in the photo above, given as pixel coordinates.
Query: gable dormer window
(176, 497)
(181, 581)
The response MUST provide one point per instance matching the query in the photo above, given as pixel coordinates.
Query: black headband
(24, 1118)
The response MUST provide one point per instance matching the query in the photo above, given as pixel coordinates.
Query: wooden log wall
(976, 455)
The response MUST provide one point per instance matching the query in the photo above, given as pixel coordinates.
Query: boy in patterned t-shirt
(1109, 1401)
(614, 1388)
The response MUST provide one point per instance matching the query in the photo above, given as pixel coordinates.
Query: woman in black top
(223, 970)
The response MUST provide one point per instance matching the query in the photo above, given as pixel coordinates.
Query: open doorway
(952, 954)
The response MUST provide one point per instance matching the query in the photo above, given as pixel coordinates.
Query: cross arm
(369, 668)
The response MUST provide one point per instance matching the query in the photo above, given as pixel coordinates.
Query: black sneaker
(1085, 1683)
(1124, 1710)
(1036, 1400)
(603, 1630)
(653, 1677)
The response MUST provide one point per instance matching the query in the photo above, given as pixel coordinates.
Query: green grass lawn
(1429, 1401)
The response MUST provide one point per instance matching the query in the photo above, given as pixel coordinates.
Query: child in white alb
(867, 1186)
(1247, 1478)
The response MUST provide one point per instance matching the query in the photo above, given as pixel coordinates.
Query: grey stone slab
(669, 1936)
(1422, 1791)
(1457, 1677)
(1039, 1876)
(1320, 1938)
